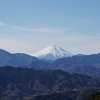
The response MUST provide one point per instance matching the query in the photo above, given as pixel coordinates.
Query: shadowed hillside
(23, 82)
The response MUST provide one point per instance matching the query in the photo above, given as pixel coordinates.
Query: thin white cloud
(78, 38)
(45, 30)
(76, 19)
(2, 24)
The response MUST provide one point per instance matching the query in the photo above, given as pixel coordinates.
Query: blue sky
(31, 25)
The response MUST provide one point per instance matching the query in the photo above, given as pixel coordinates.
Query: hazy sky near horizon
(30, 25)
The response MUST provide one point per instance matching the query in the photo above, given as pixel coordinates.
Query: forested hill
(23, 82)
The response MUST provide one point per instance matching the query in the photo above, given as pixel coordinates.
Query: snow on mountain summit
(52, 53)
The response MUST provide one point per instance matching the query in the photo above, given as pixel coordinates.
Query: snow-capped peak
(52, 53)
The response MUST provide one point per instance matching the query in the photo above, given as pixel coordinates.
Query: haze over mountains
(82, 64)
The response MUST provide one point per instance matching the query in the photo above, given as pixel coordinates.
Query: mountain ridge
(22, 82)
(16, 59)
(84, 64)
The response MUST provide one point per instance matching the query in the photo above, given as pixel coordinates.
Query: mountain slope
(39, 65)
(25, 58)
(52, 53)
(64, 63)
(22, 82)
(16, 60)
(87, 64)
(84, 69)
(78, 94)
(7, 58)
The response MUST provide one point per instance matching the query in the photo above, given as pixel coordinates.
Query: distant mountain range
(82, 64)
(48, 54)
(87, 64)
(17, 59)
(52, 53)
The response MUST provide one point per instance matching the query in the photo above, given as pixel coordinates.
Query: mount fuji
(52, 53)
